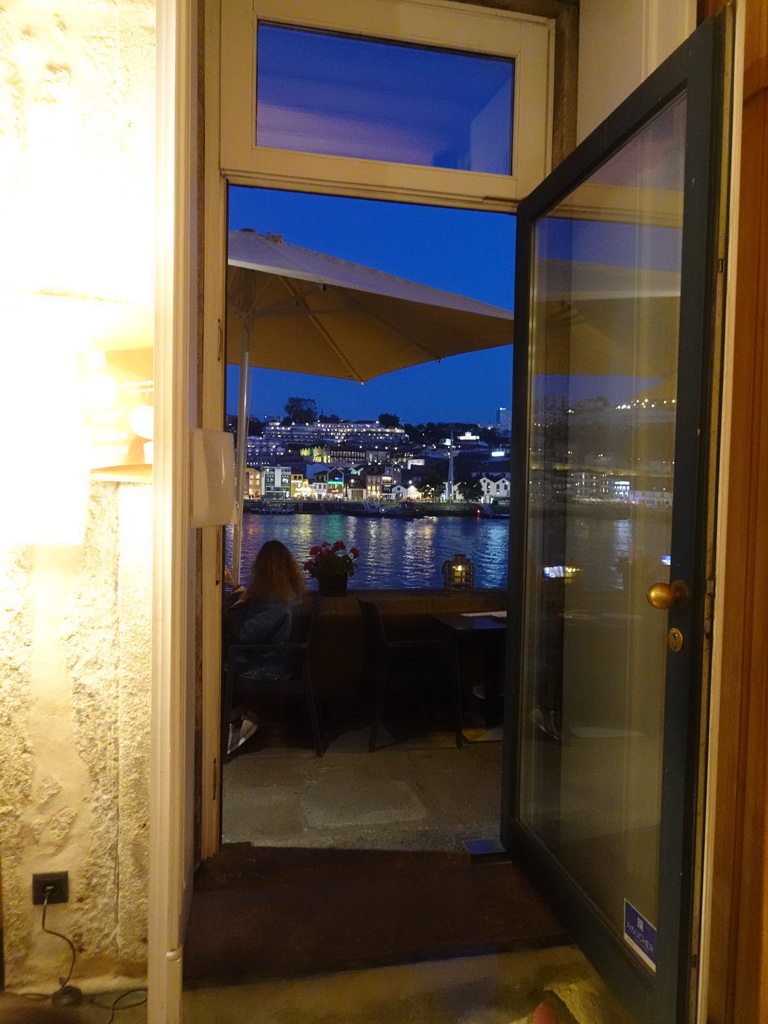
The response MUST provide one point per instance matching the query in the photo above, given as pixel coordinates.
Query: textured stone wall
(74, 742)
(77, 122)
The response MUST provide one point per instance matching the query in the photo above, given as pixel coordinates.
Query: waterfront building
(252, 482)
(658, 498)
(299, 486)
(372, 475)
(586, 485)
(276, 483)
(327, 481)
(318, 483)
(405, 492)
(495, 486)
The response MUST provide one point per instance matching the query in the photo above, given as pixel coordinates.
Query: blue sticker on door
(640, 934)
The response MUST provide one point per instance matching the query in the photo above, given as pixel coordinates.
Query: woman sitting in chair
(262, 613)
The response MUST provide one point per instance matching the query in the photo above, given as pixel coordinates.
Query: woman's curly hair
(276, 575)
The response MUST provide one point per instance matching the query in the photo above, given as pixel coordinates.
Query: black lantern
(458, 573)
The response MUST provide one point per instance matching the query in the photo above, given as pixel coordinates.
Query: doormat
(267, 912)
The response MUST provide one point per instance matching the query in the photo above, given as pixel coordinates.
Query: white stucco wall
(620, 43)
(77, 114)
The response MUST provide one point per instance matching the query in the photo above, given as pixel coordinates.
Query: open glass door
(619, 264)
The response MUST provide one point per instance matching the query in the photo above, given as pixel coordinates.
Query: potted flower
(331, 565)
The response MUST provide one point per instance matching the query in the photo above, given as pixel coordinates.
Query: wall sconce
(58, 389)
(117, 394)
(458, 573)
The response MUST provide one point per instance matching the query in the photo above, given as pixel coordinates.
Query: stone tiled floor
(423, 794)
(501, 989)
(420, 794)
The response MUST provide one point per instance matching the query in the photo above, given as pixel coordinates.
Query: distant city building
(252, 483)
(276, 483)
(495, 487)
(299, 486)
(652, 499)
(583, 444)
(328, 482)
(358, 435)
(259, 449)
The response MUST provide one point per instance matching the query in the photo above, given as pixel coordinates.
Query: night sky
(467, 252)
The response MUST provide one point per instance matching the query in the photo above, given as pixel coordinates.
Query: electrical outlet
(54, 883)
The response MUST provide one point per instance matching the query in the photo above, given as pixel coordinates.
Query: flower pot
(332, 586)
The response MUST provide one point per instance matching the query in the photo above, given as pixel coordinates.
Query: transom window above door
(415, 98)
(321, 92)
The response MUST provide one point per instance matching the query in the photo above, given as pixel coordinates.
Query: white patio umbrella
(294, 309)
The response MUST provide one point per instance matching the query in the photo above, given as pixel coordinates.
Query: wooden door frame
(737, 965)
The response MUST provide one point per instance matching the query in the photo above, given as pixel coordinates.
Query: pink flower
(339, 546)
(354, 552)
(315, 550)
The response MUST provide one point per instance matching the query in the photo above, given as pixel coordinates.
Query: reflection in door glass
(605, 304)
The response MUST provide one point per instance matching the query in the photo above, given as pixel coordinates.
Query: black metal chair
(242, 659)
(390, 662)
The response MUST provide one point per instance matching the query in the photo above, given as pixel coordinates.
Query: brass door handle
(667, 595)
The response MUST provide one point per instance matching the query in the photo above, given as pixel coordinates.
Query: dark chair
(240, 658)
(405, 663)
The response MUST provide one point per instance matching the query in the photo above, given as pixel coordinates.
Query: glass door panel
(617, 319)
(603, 364)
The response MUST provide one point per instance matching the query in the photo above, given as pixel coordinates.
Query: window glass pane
(322, 93)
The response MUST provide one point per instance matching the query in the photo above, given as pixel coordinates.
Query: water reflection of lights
(395, 553)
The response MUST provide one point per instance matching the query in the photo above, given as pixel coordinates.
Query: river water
(397, 554)
(394, 553)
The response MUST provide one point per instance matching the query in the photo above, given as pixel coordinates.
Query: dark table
(480, 642)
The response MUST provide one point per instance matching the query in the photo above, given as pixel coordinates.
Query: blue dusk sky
(467, 252)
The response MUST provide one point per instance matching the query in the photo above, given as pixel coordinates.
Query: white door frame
(172, 691)
(290, 171)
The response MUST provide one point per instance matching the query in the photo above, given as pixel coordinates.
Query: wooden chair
(390, 662)
(242, 658)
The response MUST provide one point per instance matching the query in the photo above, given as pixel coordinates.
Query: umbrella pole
(450, 468)
(243, 416)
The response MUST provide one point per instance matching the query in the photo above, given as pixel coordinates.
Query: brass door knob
(667, 595)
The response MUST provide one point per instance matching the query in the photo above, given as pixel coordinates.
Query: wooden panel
(738, 970)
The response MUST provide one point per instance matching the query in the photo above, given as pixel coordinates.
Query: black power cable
(114, 1006)
(66, 993)
(70, 995)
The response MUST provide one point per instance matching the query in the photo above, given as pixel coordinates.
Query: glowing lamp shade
(458, 573)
